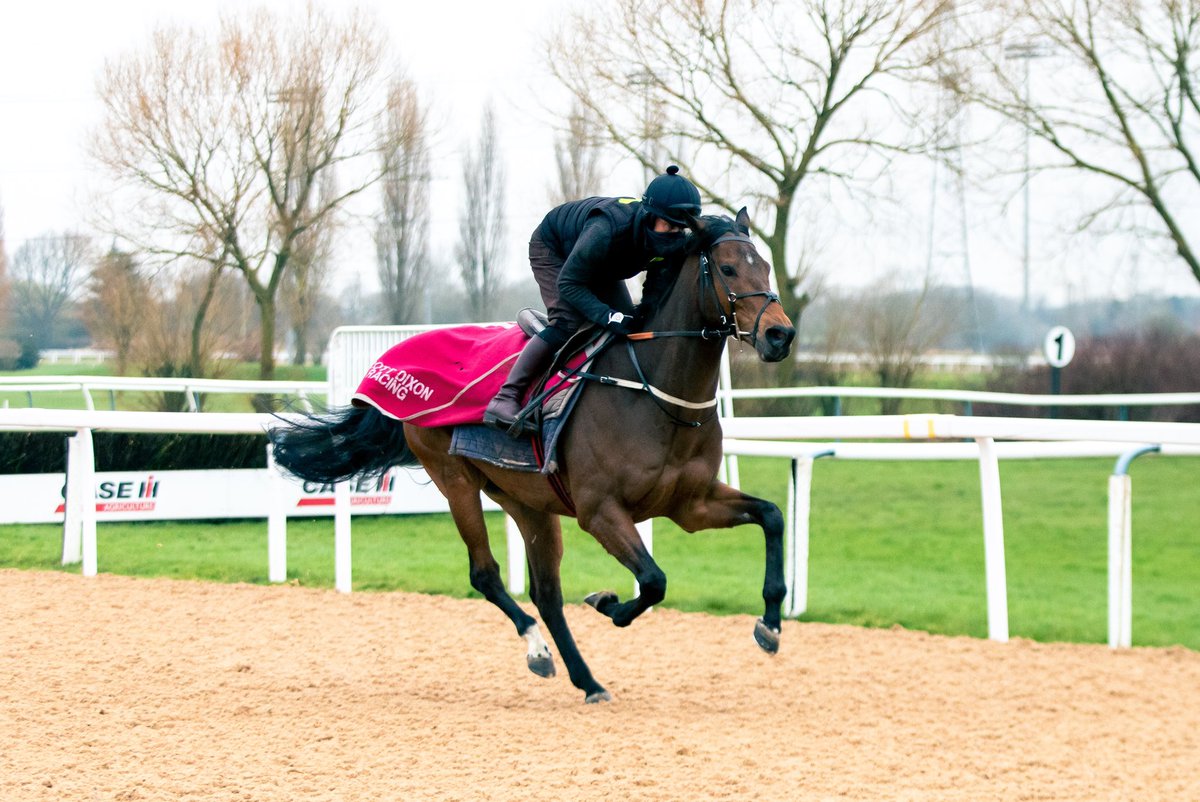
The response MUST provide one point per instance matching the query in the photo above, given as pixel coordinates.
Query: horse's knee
(484, 579)
(771, 517)
(652, 585)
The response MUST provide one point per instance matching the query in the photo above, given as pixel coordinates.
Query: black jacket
(600, 242)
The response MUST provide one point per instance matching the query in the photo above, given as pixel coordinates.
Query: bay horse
(645, 447)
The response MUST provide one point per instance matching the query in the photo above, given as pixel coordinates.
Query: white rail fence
(192, 389)
(788, 438)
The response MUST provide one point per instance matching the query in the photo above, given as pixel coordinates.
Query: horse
(645, 444)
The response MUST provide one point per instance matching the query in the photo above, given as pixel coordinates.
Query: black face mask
(665, 243)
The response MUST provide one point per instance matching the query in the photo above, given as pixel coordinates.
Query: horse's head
(738, 281)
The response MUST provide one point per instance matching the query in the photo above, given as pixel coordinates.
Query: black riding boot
(503, 410)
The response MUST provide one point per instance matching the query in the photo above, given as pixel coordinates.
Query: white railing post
(993, 540)
(515, 556)
(79, 507)
(73, 499)
(276, 521)
(87, 474)
(341, 536)
(1120, 554)
(796, 539)
(730, 472)
(1120, 549)
(796, 534)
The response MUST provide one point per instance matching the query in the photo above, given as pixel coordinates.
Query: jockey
(580, 255)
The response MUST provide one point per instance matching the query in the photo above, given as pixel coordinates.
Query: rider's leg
(503, 410)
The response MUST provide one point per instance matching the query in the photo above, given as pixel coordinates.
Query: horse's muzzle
(775, 343)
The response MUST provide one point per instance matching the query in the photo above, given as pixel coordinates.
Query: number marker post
(1059, 348)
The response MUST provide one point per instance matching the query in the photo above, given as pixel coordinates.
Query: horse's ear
(693, 221)
(743, 220)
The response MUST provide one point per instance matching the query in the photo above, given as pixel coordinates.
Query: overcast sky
(463, 53)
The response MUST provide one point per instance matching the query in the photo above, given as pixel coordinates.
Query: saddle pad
(497, 448)
(443, 377)
(446, 377)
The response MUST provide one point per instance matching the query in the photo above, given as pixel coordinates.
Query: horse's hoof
(766, 637)
(596, 697)
(601, 600)
(542, 666)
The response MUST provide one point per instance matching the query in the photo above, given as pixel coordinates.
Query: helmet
(672, 197)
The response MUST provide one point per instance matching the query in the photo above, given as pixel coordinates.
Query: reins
(728, 327)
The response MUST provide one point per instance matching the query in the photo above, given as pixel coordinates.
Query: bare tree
(45, 276)
(1125, 107)
(577, 157)
(304, 284)
(481, 229)
(773, 92)
(173, 341)
(401, 232)
(116, 304)
(895, 328)
(218, 143)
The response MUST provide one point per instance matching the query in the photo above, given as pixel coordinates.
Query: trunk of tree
(300, 335)
(196, 352)
(266, 312)
(793, 302)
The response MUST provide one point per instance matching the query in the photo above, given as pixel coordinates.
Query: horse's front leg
(724, 507)
(613, 528)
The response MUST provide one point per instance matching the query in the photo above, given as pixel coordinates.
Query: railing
(86, 385)
(970, 397)
(191, 388)
(778, 437)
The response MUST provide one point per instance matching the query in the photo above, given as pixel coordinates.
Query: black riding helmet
(672, 197)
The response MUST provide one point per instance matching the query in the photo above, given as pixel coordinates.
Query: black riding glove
(620, 323)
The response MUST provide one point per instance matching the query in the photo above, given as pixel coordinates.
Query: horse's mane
(715, 227)
(661, 280)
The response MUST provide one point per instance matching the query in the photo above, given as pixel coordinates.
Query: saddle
(550, 404)
(531, 321)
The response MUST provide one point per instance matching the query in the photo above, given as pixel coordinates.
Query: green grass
(104, 399)
(892, 543)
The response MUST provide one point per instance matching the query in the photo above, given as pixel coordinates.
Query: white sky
(462, 53)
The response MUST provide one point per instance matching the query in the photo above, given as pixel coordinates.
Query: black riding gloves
(620, 323)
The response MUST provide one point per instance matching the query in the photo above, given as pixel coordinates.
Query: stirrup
(524, 425)
(520, 426)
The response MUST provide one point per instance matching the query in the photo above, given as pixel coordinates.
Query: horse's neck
(687, 367)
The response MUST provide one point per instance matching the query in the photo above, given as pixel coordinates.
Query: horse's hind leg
(725, 507)
(467, 512)
(543, 547)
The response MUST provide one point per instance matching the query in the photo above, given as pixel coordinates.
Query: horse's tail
(337, 445)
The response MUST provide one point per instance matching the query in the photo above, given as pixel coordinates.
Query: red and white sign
(198, 495)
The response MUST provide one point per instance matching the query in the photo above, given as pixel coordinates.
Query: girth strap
(650, 388)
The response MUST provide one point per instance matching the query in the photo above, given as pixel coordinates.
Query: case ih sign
(198, 495)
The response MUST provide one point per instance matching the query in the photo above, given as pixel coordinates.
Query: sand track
(129, 689)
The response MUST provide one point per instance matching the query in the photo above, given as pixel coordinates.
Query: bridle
(729, 324)
(727, 327)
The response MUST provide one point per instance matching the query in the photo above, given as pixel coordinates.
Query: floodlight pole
(1025, 52)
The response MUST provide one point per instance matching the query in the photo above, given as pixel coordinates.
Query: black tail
(346, 442)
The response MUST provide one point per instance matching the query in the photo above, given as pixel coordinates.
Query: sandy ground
(129, 689)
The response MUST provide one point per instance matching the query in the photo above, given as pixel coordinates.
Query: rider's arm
(585, 268)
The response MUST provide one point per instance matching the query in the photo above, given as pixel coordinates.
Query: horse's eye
(728, 270)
